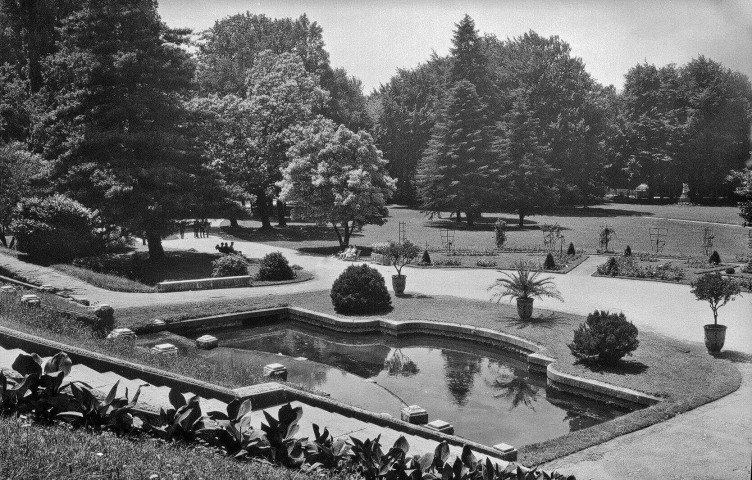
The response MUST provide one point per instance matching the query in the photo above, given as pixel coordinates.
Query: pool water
(488, 398)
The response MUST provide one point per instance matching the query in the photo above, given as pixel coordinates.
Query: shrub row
(628, 267)
(36, 389)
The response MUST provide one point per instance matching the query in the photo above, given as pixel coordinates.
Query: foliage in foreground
(604, 338)
(360, 289)
(37, 389)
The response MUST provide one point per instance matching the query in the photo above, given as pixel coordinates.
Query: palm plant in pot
(524, 284)
(399, 255)
(717, 290)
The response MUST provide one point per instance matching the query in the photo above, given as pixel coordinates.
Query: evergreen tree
(525, 182)
(468, 61)
(454, 173)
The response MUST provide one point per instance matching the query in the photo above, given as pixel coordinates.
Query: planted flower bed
(505, 259)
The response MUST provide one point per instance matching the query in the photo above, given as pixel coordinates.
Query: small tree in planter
(525, 285)
(717, 290)
(399, 255)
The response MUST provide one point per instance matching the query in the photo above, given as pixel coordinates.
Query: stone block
(31, 300)
(414, 414)
(47, 288)
(275, 370)
(7, 289)
(124, 336)
(207, 342)
(441, 426)
(504, 448)
(165, 349)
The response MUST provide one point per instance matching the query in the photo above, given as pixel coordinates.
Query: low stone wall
(204, 284)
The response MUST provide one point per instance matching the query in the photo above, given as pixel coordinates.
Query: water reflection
(399, 364)
(460, 370)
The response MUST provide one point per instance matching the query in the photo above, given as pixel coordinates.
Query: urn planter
(525, 307)
(715, 336)
(398, 283)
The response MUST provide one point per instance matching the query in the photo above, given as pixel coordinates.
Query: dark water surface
(488, 398)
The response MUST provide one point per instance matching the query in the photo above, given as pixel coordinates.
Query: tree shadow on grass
(622, 367)
(294, 233)
(735, 356)
(418, 296)
(549, 320)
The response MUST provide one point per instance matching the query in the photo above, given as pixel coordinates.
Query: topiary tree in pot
(717, 290)
(399, 255)
(525, 285)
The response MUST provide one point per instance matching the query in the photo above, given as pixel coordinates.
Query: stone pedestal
(441, 426)
(503, 448)
(125, 336)
(276, 370)
(414, 414)
(31, 300)
(7, 289)
(207, 342)
(165, 349)
(47, 288)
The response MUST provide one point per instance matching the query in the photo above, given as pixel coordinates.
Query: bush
(747, 268)
(55, 228)
(274, 266)
(230, 266)
(500, 228)
(610, 268)
(714, 259)
(486, 263)
(730, 270)
(571, 250)
(549, 263)
(604, 338)
(360, 289)
(426, 258)
(628, 251)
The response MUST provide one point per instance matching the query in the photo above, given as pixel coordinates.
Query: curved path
(713, 441)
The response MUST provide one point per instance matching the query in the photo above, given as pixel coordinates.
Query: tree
(715, 289)
(524, 180)
(113, 122)
(454, 173)
(339, 177)
(468, 59)
(743, 178)
(17, 169)
(248, 138)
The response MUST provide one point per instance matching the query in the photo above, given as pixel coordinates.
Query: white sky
(371, 39)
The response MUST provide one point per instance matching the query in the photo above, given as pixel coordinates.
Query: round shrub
(730, 270)
(549, 263)
(604, 338)
(571, 250)
(628, 251)
(360, 289)
(426, 258)
(274, 266)
(230, 266)
(714, 259)
(54, 228)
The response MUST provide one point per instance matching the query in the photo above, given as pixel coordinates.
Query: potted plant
(399, 255)
(717, 290)
(525, 285)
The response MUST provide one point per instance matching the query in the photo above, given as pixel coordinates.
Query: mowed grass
(30, 451)
(581, 227)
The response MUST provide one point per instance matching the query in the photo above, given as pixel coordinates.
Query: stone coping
(204, 283)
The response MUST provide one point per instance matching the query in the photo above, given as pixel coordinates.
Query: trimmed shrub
(486, 263)
(426, 258)
(571, 250)
(360, 289)
(714, 259)
(500, 233)
(55, 228)
(229, 266)
(610, 268)
(274, 266)
(730, 270)
(628, 251)
(604, 338)
(549, 263)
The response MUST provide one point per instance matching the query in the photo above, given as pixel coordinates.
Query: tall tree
(525, 182)
(468, 59)
(18, 167)
(454, 173)
(338, 177)
(112, 121)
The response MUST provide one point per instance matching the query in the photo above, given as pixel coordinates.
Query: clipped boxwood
(360, 289)
(604, 338)
(275, 267)
(549, 263)
(230, 266)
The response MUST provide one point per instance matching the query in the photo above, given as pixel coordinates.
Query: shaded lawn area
(581, 227)
(31, 450)
(684, 375)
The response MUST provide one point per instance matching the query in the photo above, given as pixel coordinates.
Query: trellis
(658, 236)
(447, 238)
(402, 232)
(707, 240)
(552, 236)
(605, 236)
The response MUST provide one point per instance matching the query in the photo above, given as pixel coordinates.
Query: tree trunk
(348, 232)
(262, 202)
(156, 252)
(522, 218)
(281, 213)
(458, 219)
(234, 222)
(339, 237)
(2, 237)
(470, 218)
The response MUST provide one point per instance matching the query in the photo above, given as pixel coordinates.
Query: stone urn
(398, 283)
(525, 307)
(715, 336)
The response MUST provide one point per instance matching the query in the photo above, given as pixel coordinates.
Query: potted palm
(717, 290)
(399, 255)
(525, 285)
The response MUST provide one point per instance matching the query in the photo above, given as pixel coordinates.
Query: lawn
(33, 451)
(582, 226)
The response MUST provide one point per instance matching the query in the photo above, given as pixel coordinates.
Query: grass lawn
(581, 227)
(32, 451)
